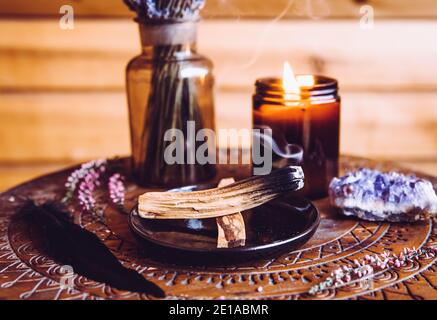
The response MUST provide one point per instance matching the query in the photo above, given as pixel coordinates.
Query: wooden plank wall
(62, 94)
(231, 9)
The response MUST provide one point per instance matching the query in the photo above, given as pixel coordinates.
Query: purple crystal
(373, 195)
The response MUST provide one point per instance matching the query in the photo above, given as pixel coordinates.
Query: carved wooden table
(27, 274)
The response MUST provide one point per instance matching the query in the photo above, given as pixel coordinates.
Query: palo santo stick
(231, 228)
(217, 202)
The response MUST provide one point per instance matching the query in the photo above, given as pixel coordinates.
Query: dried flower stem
(86, 190)
(84, 181)
(165, 9)
(365, 269)
(94, 168)
(116, 189)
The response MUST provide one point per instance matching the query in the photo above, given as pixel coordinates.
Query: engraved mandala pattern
(27, 274)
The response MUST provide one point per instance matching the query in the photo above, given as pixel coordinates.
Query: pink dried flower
(84, 181)
(86, 188)
(116, 189)
(73, 181)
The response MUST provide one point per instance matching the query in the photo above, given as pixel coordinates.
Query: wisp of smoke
(314, 9)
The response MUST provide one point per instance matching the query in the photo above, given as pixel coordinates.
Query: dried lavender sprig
(85, 180)
(73, 181)
(364, 269)
(86, 190)
(116, 189)
(166, 9)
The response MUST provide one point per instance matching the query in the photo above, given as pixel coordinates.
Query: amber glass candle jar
(309, 119)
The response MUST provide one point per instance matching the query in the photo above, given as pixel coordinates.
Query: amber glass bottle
(169, 88)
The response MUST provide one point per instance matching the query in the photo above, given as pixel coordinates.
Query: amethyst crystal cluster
(376, 196)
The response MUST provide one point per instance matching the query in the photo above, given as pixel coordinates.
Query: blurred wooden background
(62, 96)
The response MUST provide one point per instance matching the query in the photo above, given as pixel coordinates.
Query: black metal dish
(276, 227)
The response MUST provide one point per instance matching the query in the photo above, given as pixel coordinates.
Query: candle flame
(306, 81)
(289, 82)
(292, 84)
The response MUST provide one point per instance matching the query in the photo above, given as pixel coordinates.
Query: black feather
(54, 234)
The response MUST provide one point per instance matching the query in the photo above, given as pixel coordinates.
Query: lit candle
(303, 112)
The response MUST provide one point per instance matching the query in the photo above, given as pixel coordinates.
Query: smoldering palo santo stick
(217, 202)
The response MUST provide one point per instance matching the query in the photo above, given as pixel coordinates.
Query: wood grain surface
(13, 174)
(27, 274)
(75, 126)
(234, 8)
(93, 56)
(54, 82)
(62, 81)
